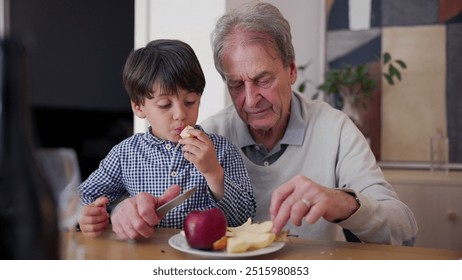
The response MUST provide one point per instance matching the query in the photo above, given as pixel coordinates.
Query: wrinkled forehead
(243, 38)
(250, 62)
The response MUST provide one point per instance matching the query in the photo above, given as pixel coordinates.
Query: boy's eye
(190, 100)
(164, 105)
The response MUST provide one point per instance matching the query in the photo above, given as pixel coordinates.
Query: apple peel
(220, 244)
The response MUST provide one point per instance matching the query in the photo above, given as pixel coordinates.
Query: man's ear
(138, 110)
(293, 72)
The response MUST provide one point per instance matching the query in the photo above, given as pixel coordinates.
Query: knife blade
(163, 209)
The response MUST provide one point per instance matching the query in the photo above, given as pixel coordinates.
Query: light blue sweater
(333, 153)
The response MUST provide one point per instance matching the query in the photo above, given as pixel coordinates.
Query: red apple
(203, 228)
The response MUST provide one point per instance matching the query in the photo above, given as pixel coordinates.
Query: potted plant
(355, 85)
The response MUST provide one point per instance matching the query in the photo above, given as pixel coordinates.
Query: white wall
(4, 17)
(193, 21)
(307, 22)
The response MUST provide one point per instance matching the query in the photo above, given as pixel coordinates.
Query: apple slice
(184, 133)
(255, 239)
(283, 236)
(249, 236)
(260, 227)
(241, 227)
(236, 245)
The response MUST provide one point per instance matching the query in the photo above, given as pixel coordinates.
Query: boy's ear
(138, 110)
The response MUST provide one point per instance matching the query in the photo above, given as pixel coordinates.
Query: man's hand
(301, 198)
(95, 218)
(135, 217)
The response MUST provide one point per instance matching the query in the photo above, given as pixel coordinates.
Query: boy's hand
(95, 218)
(199, 150)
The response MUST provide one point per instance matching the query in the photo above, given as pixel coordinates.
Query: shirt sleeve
(238, 202)
(104, 181)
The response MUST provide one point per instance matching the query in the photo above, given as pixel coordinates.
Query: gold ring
(306, 202)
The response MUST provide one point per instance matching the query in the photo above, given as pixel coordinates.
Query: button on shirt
(145, 163)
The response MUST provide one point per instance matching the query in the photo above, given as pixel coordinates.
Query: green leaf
(389, 79)
(386, 58)
(361, 70)
(401, 63)
(301, 87)
(393, 71)
(367, 92)
(370, 85)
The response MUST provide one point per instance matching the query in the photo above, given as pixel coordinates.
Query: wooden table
(77, 246)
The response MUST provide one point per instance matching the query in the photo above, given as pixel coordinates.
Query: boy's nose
(179, 114)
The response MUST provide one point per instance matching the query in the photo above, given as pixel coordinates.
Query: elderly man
(307, 161)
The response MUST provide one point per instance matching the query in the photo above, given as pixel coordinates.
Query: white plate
(178, 241)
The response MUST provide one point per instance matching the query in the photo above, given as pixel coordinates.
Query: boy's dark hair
(170, 63)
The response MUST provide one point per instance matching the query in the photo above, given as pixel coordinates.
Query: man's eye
(190, 103)
(234, 85)
(265, 83)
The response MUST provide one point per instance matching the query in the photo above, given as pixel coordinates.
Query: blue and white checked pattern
(145, 163)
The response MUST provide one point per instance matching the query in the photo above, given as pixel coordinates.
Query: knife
(163, 209)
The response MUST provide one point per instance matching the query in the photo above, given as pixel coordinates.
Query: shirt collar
(294, 134)
(151, 138)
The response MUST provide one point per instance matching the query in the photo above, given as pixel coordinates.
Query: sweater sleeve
(382, 217)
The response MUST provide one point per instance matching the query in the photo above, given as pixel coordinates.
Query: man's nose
(251, 95)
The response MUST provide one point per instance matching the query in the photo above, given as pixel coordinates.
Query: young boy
(165, 82)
